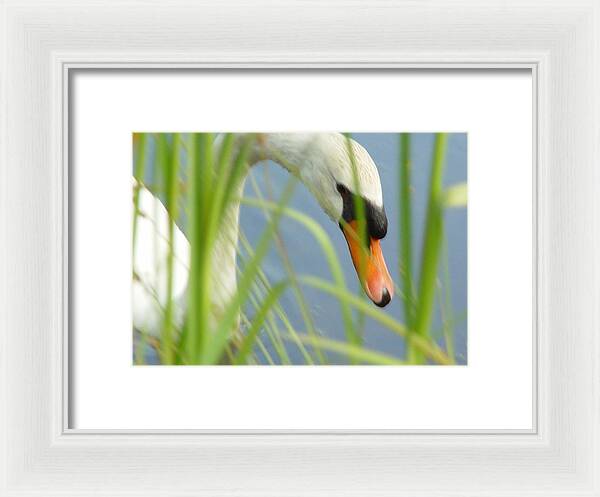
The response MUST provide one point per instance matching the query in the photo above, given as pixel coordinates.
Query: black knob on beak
(385, 298)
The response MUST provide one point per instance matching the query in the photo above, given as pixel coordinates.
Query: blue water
(306, 257)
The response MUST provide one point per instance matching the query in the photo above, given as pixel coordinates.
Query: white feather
(150, 266)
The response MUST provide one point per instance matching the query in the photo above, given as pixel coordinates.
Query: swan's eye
(375, 216)
(348, 203)
(342, 190)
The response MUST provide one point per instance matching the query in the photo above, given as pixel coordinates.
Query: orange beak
(370, 266)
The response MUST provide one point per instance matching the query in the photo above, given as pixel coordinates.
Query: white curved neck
(286, 150)
(289, 150)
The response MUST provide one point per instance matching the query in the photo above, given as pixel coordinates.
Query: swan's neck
(283, 149)
(224, 264)
(289, 150)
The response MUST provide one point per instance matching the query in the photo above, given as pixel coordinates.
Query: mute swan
(321, 162)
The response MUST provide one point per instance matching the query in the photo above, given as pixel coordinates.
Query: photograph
(312, 248)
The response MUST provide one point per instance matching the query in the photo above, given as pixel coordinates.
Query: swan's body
(321, 163)
(150, 265)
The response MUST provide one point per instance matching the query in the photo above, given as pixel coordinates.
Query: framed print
(286, 338)
(305, 250)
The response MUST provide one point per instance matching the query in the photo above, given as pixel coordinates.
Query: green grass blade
(358, 354)
(258, 321)
(356, 335)
(139, 153)
(432, 244)
(140, 145)
(405, 232)
(448, 318)
(201, 177)
(263, 350)
(171, 176)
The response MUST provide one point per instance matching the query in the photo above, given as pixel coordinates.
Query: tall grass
(405, 231)
(432, 244)
(198, 177)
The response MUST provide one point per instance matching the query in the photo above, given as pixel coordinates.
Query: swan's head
(325, 167)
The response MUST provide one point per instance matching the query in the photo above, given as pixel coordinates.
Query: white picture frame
(557, 40)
